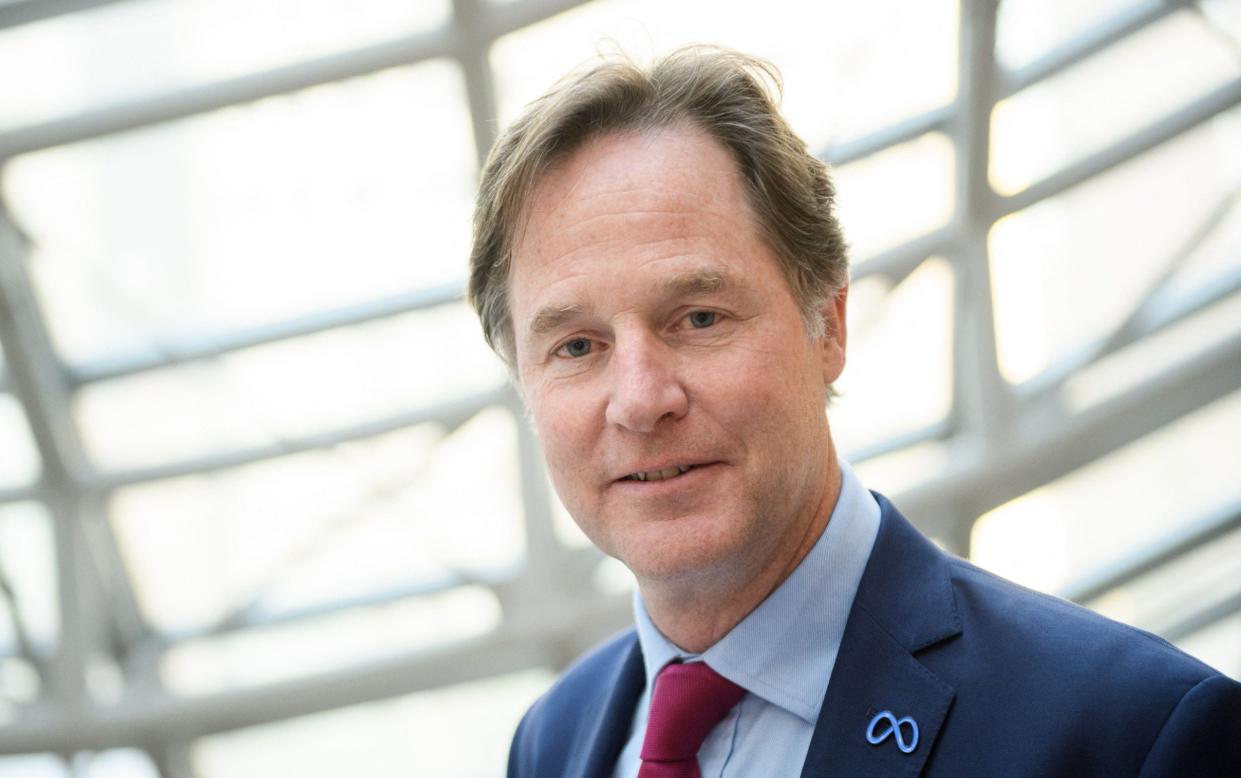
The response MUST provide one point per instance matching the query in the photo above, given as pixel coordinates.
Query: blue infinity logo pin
(892, 726)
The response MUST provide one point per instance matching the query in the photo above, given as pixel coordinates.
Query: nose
(645, 386)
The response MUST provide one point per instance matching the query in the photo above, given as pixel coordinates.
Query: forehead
(677, 165)
(626, 199)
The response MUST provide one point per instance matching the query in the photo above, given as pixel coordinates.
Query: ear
(835, 334)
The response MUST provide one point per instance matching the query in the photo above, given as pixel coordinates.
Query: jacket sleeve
(1202, 736)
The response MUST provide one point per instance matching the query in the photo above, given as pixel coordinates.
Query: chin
(683, 548)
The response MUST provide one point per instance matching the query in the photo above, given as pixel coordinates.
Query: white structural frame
(1005, 439)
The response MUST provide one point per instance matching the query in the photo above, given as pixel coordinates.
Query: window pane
(253, 214)
(113, 53)
(1203, 577)
(1126, 369)
(896, 195)
(845, 64)
(457, 732)
(1027, 29)
(288, 389)
(1052, 263)
(28, 559)
(346, 638)
(33, 766)
(384, 513)
(899, 375)
(1100, 514)
(1144, 77)
(906, 468)
(19, 461)
(117, 763)
(19, 678)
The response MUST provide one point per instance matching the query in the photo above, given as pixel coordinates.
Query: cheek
(778, 372)
(564, 432)
(775, 394)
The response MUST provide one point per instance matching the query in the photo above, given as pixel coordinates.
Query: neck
(695, 614)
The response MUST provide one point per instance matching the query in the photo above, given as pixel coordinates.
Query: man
(657, 260)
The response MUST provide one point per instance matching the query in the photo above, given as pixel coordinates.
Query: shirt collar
(785, 649)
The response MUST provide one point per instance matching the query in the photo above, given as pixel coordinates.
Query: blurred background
(266, 504)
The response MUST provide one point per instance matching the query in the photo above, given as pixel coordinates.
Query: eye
(702, 319)
(576, 348)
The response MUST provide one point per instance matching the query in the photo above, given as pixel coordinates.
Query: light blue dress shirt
(782, 653)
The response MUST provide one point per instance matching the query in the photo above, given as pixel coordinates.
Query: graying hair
(733, 98)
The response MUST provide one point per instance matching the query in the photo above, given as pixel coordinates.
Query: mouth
(662, 474)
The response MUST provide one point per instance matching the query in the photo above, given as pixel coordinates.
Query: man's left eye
(702, 319)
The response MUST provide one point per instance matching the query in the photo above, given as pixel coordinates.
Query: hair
(733, 98)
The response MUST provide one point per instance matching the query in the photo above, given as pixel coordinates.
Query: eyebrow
(553, 317)
(697, 282)
(702, 281)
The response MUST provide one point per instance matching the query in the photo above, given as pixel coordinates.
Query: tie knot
(689, 700)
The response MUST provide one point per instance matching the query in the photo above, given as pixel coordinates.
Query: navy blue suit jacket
(1001, 681)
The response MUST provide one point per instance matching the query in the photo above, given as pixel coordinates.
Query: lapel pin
(893, 726)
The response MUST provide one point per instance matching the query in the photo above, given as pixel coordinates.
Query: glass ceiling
(264, 493)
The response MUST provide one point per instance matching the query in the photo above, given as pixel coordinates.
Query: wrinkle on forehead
(563, 214)
(659, 234)
(618, 164)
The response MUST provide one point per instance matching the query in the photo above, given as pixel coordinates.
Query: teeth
(659, 475)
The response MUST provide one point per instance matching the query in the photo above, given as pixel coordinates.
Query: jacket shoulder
(1106, 696)
(564, 720)
(1042, 686)
(1081, 640)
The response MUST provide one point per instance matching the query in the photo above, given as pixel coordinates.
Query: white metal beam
(44, 395)
(539, 641)
(1043, 451)
(17, 12)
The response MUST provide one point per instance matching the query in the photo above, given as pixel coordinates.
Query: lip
(667, 463)
(698, 470)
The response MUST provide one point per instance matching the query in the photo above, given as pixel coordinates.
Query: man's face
(665, 361)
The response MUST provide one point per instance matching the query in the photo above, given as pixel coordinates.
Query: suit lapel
(595, 756)
(904, 604)
(873, 673)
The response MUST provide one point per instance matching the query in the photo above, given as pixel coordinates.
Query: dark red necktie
(689, 700)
